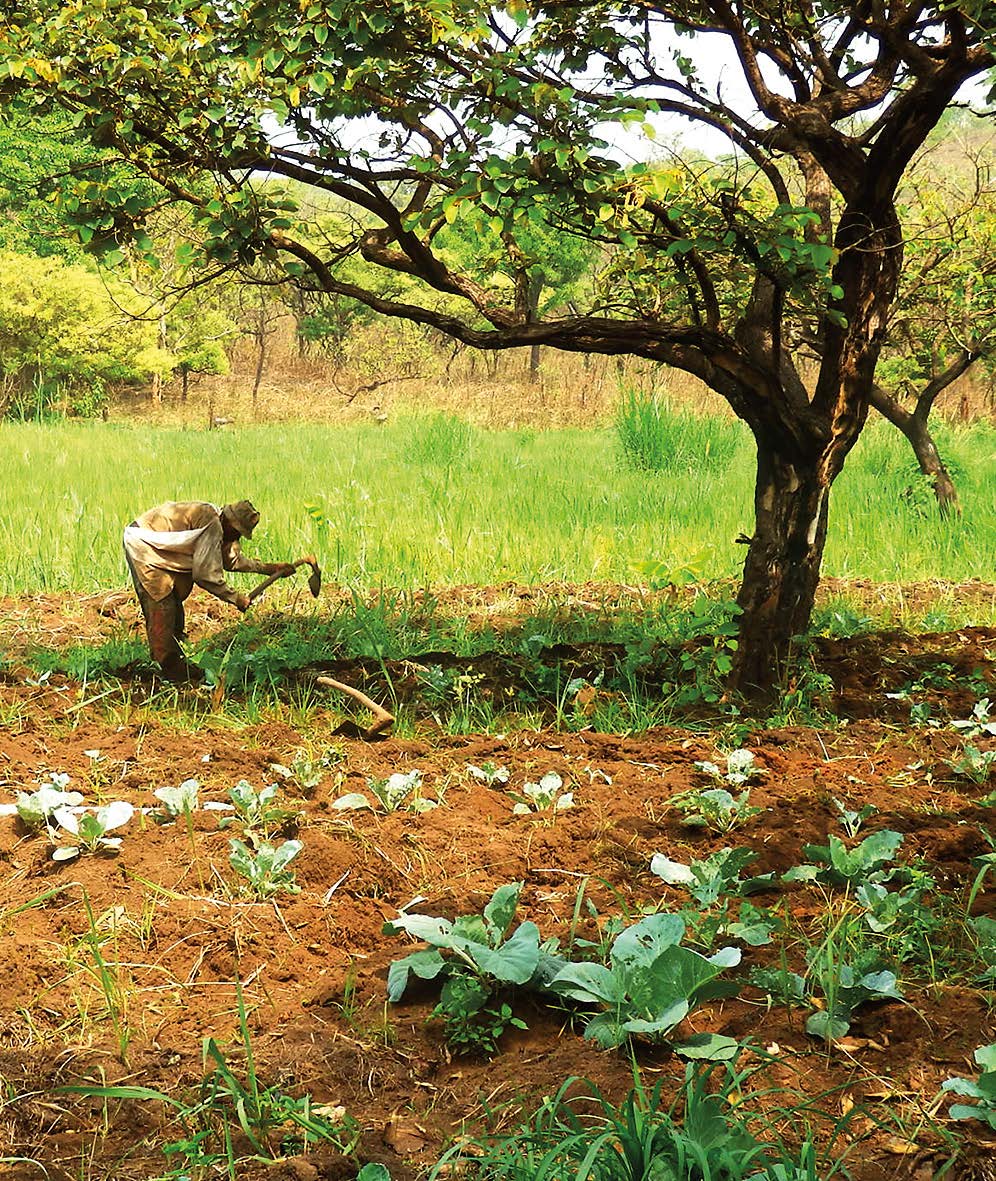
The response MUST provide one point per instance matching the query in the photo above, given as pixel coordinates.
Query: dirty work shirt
(184, 538)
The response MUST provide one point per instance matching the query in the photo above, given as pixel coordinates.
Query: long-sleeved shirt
(185, 538)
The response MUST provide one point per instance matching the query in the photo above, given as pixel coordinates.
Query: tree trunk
(260, 365)
(537, 281)
(782, 568)
(931, 464)
(916, 430)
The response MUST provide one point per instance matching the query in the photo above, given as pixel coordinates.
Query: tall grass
(419, 501)
(656, 437)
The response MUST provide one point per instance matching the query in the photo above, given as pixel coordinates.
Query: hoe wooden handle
(382, 719)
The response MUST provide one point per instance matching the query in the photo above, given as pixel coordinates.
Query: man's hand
(243, 602)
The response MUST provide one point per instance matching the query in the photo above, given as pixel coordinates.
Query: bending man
(177, 544)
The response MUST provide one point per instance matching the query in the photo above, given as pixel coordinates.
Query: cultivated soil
(174, 932)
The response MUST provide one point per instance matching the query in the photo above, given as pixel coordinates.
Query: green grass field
(433, 501)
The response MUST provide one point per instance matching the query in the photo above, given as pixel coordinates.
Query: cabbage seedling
(975, 764)
(982, 1090)
(709, 878)
(544, 796)
(39, 807)
(397, 791)
(979, 723)
(90, 829)
(178, 801)
(258, 812)
(266, 869)
(715, 808)
(740, 769)
(489, 774)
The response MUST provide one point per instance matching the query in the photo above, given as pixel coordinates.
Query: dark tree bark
(537, 281)
(915, 426)
(782, 569)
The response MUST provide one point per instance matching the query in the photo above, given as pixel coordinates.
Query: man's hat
(242, 515)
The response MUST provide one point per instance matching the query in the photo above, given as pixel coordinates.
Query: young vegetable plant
(265, 868)
(650, 986)
(850, 820)
(257, 811)
(714, 808)
(885, 910)
(840, 866)
(475, 957)
(178, 801)
(546, 796)
(982, 1090)
(709, 878)
(489, 774)
(979, 722)
(88, 831)
(307, 768)
(396, 792)
(840, 978)
(741, 769)
(37, 808)
(975, 764)
(840, 988)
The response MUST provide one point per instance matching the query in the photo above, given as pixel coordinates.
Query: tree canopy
(420, 114)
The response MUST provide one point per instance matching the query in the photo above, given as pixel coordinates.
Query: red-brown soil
(175, 931)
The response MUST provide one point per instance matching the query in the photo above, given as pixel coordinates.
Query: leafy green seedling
(650, 986)
(867, 862)
(546, 796)
(308, 769)
(396, 792)
(850, 820)
(787, 988)
(982, 1090)
(884, 910)
(472, 1026)
(753, 925)
(89, 830)
(741, 769)
(836, 990)
(707, 879)
(975, 764)
(266, 867)
(840, 988)
(984, 864)
(38, 808)
(979, 722)
(178, 801)
(984, 929)
(489, 774)
(257, 811)
(714, 808)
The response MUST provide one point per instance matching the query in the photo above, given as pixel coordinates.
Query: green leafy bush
(66, 337)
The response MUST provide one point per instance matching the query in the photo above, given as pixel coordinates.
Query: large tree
(420, 112)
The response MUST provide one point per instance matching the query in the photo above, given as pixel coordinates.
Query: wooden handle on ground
(382, 719)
